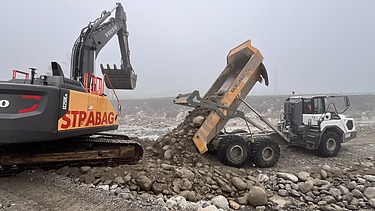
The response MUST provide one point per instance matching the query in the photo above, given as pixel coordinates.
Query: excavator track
(96, 149)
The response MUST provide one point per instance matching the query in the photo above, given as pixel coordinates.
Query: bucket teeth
(119, 78)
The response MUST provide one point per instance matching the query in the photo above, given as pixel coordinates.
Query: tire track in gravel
(39, 190)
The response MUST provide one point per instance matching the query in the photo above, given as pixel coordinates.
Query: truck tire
(233, 151)
(265, 152)
(330, 144)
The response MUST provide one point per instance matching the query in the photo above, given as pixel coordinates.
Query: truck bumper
(349, 136)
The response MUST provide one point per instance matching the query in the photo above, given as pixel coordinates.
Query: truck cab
(318, 123)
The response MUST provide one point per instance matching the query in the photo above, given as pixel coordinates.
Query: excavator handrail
(105, 76)
(14, 74)
(97, 87)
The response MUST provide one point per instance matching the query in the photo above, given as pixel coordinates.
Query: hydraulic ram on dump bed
(244, 68)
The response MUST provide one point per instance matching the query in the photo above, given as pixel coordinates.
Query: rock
(287, 176)
(257, 196)
(223, 185)
(239, 183)
(103, 187)
(88, 179)
(187, 206)
(185, 184)
(107, 182)
(260, 208)
(144, 183)
(85, 169)
(372, 203)
(323, 174)
(263, 178)
(305, 187)
(119, 180)
(335, 192)
(370, 178)
(186, 173)
(356, 193)
(64, 171)
(369, 192)
(127, 178)
(351, 185)
(367, 164)
(158, 187)
(326, 168)
(208, 208)
(282, 192)
(303, 176)
(343, 189)
(168, 154)
(220, 202)
(242, 199)
(234, 205)
(198, 121)
(189, 195)
(127, 196)
(329, 199)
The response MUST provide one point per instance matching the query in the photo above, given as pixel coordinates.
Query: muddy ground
(152, 118)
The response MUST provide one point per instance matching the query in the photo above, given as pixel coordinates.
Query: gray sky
(180, 46)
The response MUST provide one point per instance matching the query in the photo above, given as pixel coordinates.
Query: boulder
(305, 187)
(370, 192)
(257, 196)
(198, 121)
(144, 182)
(303, 176)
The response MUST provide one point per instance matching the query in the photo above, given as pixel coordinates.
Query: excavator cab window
(318, 105)
(307, 106)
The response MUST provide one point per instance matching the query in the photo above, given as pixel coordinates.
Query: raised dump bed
(244, 68)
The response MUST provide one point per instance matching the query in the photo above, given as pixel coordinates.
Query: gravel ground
(152, 183)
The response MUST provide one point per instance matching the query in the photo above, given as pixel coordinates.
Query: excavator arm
(92, 40)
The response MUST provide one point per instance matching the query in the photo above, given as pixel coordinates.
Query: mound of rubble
(177, 146)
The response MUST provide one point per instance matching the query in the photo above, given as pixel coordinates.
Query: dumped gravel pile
(177, 147)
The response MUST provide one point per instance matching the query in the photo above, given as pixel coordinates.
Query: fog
(181, 46)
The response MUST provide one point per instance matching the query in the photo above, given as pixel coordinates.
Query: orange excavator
(47, 118)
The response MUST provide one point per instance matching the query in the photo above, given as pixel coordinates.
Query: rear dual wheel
(265, 152)
(233, 150)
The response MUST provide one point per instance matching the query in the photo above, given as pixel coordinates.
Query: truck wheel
(233, 150)
(265, 152)
(330, 144)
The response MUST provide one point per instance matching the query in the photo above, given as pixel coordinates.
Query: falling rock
(198, 121)
(144, 182)
(220, 202)
(370, 192)
(287, 176)
(239, 183)
(234, 205)
(303, 176)
(168, 154)
(305, 187)
(257, 196)
(370, 178)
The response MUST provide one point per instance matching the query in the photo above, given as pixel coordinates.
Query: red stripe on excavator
(32, 108)
(35, 97)
(26, 110)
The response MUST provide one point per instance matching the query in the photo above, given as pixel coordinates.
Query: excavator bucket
(244, 68)
(123, 78)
